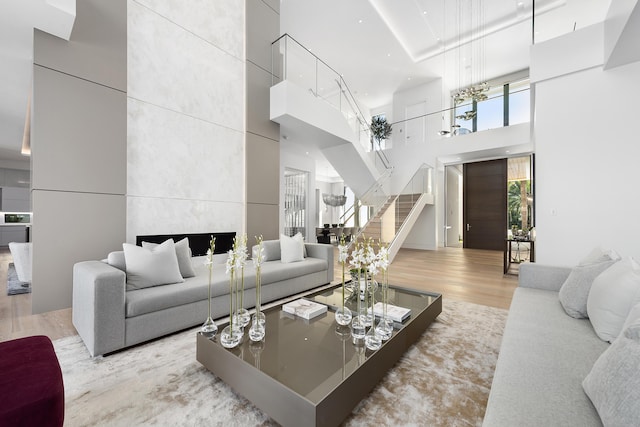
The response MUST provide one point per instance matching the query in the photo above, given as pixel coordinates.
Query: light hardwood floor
(458, 274)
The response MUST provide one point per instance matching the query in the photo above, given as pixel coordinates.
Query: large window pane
(491, 113)
(465, 126)
(519, 106)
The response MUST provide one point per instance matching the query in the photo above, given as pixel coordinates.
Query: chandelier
(334, 199)
(471, 33)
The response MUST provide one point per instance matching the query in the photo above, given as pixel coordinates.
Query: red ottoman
(31, 388)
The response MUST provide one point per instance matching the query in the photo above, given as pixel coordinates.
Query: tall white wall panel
(186, 117)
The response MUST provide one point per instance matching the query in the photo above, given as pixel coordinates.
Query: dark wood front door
(485, 204)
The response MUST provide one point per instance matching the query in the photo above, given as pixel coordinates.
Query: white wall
(586, 163)
(186, 109)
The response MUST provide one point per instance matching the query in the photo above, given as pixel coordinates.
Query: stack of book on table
(304, 308)
(395, 313)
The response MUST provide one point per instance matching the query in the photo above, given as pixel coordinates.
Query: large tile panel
(169, 216)
(177, 156)
(263, 220)
(79, 134)
(220, 22)
(263, 170)
(263, 28)
(69, 227)
(171, 67)
(97, 49)
(258, 105)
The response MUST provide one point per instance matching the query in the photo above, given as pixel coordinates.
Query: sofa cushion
(151, 267)
(574, 292)
(613, 294)
(613, 385)
(183, 253)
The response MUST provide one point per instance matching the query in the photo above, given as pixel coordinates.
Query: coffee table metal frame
(290, 408)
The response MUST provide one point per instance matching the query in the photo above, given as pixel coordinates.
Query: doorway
(486, 191)
(484, 204)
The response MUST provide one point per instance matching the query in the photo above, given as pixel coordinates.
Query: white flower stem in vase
(209, 327)
(343, 314)
(232, 335)
(385, 325)
(257, 330)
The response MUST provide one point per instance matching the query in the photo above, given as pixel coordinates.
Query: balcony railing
(293, 62)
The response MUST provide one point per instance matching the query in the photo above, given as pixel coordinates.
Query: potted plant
(380, 130)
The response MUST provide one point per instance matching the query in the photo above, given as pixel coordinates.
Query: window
(491, 113)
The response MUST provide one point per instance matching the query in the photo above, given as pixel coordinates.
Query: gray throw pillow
(183, 253)
(116, 259)
(151, 267)
(613, 385)
(574, 292)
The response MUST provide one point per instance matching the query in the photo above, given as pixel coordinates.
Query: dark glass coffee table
(312, 372)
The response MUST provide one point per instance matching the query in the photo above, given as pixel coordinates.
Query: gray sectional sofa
(109, 317)
(544, 357)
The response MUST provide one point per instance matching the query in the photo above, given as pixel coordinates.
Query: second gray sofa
(544, 357)
(109, 317)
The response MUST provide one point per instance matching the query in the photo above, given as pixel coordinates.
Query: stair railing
(419, 184)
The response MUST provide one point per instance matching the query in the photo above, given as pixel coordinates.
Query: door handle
(468, 227)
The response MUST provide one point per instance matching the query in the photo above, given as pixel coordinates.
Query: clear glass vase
(372, 340)
(209, 327)
(257, 330)
(343, 314)
(384, 328)
(231, 336)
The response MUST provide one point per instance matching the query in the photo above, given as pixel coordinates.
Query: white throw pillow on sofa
(613, 385)
(151, 267)
(612, 295)
(291, 248)
(183, 253)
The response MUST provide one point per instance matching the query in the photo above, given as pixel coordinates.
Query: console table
(509, 250)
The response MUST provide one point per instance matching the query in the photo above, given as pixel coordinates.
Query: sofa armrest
(322, 251)
(99, 306)
(540, 276)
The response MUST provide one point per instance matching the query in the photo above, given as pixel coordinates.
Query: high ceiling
(384, 46)
(380, 46)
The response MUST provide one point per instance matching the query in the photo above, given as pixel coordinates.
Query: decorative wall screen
(295, 202)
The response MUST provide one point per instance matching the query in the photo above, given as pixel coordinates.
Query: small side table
(508, 251)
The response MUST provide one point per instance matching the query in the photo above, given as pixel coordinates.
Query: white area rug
(443, 380)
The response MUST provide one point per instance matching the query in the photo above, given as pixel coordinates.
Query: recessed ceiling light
(424, 12)
(359, 21)
(408, 78)
(388, 55)
(306, 152)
